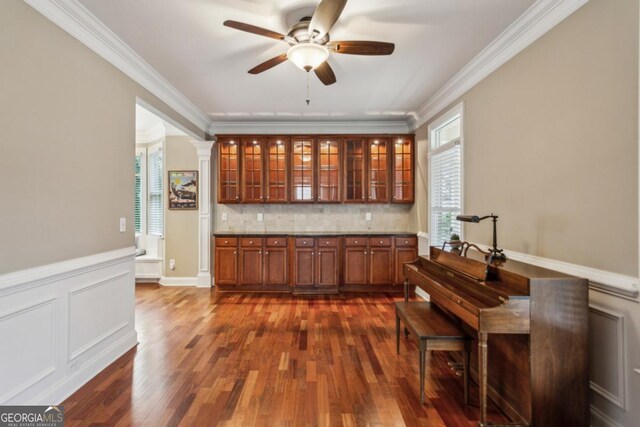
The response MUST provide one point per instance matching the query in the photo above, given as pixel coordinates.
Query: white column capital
(202, 147)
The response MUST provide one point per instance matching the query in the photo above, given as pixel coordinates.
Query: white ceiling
(147, 122)
(185, 41)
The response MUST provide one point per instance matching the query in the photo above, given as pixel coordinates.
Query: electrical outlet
(367, 216)
(123, 225)
(172, 264)
(260, 216)
(224, 216)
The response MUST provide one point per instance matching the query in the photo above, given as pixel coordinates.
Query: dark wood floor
(272, 360)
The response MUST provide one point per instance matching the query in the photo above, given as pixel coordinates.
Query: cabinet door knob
(365, 252)
(380, 241)
(276, 242)
(356, 241)
(405, 242)
(304, 243)
(226, 241)
(234, 252)
(327, 243)
(259, 252)
(251, 242)
(266, 253)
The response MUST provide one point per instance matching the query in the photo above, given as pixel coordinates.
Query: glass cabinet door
(329, 170)
(302, 170)
(276, 170)
(378, 179)
(228, 170)
(252, 170)
(403, 170)
(354, 170)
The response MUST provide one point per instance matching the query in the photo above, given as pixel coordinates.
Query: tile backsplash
(312, 218)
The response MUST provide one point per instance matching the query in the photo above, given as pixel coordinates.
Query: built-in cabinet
(312, 264)
(316, 169)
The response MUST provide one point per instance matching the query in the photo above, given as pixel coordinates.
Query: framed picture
(183, 190)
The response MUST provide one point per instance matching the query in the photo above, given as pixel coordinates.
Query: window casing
(445, 176)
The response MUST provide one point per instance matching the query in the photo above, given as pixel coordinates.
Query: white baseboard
(178, 281)
(599, 419)
(56, 328)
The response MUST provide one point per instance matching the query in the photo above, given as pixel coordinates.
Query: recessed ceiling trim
(541, 17)
(76, 20)
(309, 127)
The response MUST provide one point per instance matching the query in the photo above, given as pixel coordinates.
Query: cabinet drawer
(355, 241)
(276, 242)
(250, 242)
(406, 242)
(327, 242)
(226, 241)
(304, 242)
(379, 241)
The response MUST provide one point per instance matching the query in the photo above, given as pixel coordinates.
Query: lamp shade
(307, 56)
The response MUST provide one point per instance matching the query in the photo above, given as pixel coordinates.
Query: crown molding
(541, 17)
(76, 20)
(309, 127)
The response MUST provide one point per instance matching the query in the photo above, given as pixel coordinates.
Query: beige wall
(181, 227)
(67, 121)
(550, 144)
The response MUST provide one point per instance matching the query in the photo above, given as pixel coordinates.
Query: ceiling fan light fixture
(307, 56)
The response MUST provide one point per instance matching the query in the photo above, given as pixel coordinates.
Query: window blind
(155, 212)
(137, 214)
(446, 192)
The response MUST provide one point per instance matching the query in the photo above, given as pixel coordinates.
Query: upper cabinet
(276, 170)
(378, 179)
(354, 170)
(402, 170)
(228, 170)
(329, 178)
(302, 170)
(252, 170)
(316, 169)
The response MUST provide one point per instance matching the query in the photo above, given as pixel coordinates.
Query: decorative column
(204, 210)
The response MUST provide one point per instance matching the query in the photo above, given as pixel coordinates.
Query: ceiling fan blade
(325, 74)
(362, 47)
(325, 17)
(266, 65)
(253, 29)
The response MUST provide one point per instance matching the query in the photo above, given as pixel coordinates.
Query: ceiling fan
(310, 43)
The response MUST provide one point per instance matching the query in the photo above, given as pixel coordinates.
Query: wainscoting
(61, 324)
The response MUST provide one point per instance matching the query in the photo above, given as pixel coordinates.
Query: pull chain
(308, 97)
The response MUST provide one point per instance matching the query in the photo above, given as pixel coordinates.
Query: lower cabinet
(315, 262)
(312, 264)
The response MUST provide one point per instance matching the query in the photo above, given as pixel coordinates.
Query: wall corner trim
(541, 17)
(76, 20)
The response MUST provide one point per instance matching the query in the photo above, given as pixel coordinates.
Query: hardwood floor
(269, 360)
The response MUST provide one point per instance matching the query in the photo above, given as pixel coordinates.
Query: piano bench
(434, 331)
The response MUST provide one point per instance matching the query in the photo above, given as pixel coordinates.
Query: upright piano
(530, 327)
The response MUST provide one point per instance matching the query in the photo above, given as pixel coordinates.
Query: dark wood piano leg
(482, 376)
(406, 299)
(397, 333)
(466, 359)
(422, 370)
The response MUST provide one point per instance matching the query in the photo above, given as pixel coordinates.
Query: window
(154, 212)
(445, 176)
(140, 194)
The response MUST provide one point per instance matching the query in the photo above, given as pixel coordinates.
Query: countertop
(311, 233)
